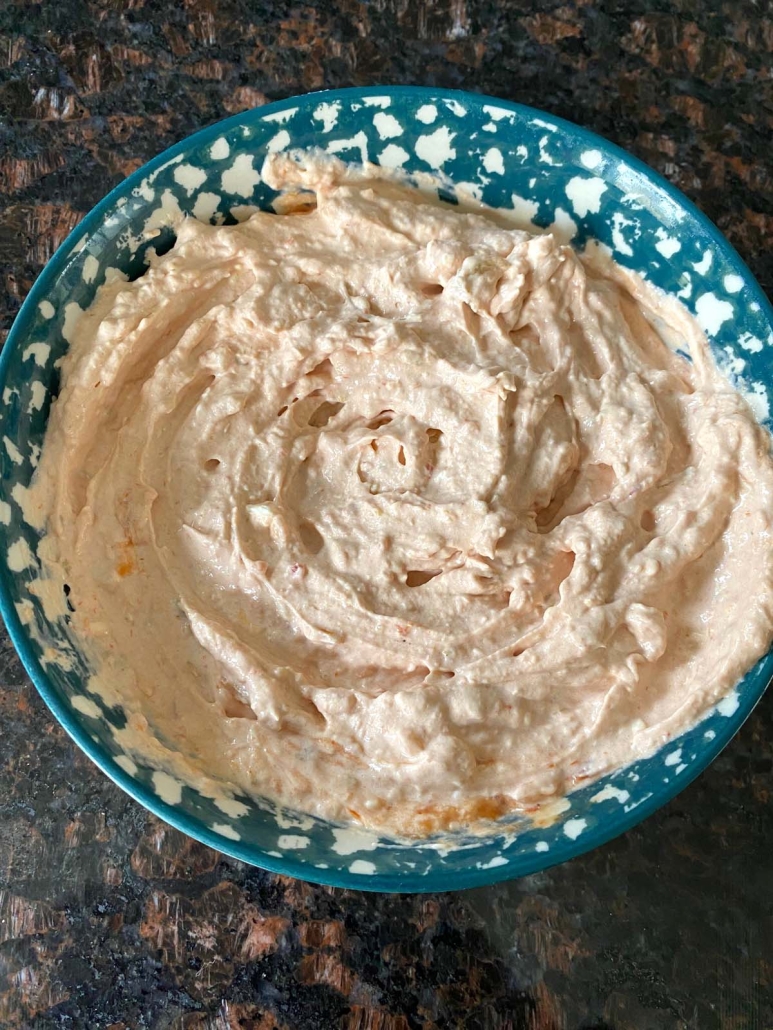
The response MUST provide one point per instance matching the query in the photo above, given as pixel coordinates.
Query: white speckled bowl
(511, 156)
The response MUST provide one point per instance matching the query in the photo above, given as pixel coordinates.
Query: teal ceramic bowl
(510, 156)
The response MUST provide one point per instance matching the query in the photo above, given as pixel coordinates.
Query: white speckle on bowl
(574, 827)
(85, 706)
(167, 213)
(523, 152)
(127, 764)
(464, 191)
(728, 705)
(524, 210)
(38, 351)
(427, 114)
(756, 397)
(455, 108)
(709, 734)
(435, 148)
(241, 212)
(236, 809)
(5, 513)
(90, 269)
(112, 220)
(591, 158)
(279, 143)
(30, 513)
(733, 283)
(754, 306)
(205, 206)
(47, 309)
(377, 101)
(619, 241)
(564, 227)
(13, 451)
(732, 364)
(145, 191)
(327, 114)
(220, 149)
(49, 655)
(241, 178)
(362, 868)
(275, 854)
(357, 142)
(292, 820)
(226, 831)
(167, 787)
(494, 863)
(680, 768)
(674, 758)
(635, 804)
(750, 343)
(72, 314)
(711, 312)
(189, 177)
(686, 289)
(666, 245)
(8, 393)
(611, 793)
(293, 842)
(498, 113)
(702, 266)
(585, 194)
(167, 164)
(544, 156)
(19, 556)
(489, 127)
(282, 117)
(349, 841)
(38, 396)
(493, 161)
(393, 156)
(387, 126)
(542, 845)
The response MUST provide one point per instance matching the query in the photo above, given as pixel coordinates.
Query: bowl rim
(290, 865)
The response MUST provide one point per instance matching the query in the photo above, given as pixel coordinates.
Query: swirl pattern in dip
(395, 513)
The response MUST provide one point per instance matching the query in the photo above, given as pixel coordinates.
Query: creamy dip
(397, 514)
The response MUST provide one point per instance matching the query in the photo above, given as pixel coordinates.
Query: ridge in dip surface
(394, 513)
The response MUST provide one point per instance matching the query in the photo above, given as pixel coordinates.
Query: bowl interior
(553, 174)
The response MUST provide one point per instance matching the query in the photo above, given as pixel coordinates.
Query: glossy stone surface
(107, 918)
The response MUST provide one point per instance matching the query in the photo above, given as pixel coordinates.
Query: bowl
(553, 174)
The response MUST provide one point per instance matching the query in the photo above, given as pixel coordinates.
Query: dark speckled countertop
(108, 918)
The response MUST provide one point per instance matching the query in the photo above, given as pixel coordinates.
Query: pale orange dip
(396, 514)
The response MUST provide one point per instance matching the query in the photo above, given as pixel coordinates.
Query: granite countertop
(109, 918)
